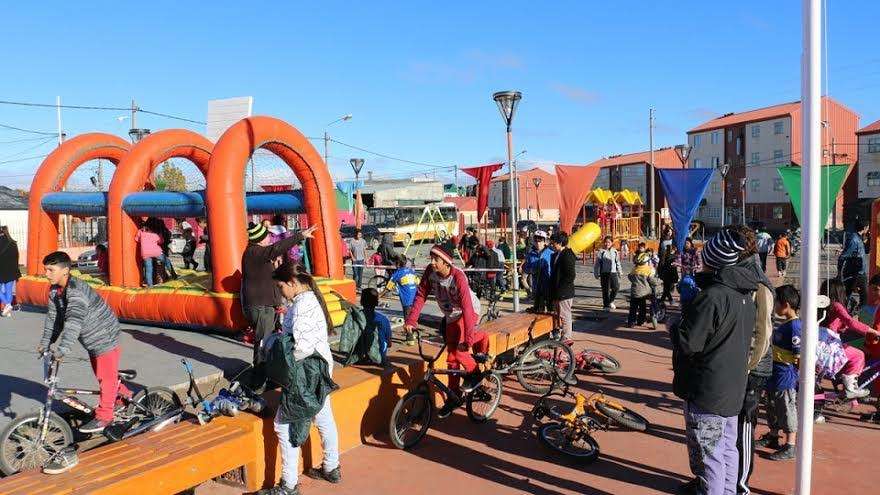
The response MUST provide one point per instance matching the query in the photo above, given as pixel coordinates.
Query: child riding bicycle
(76, 312)
(450, 287)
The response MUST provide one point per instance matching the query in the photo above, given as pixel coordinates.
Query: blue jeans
(6, 291)
(357, 272)
(148, 268)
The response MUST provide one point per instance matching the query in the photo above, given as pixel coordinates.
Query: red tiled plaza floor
(504, 456)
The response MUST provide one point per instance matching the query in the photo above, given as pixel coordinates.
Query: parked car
(371, 234)
(87, 260)
(530, 225)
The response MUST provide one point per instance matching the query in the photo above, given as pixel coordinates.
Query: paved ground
(505, 457)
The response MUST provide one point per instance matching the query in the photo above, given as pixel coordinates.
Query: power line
(31, 148)
(170, 116)
(95, 107)
(31, 131)
(25, 140)
(24, 159)
(389, 157)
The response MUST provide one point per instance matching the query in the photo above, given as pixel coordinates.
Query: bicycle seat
(482, 357)
(127, 374)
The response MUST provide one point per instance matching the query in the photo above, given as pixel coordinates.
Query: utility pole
(456, 180)
(133, 114)
(834, 205)
(651, 144)
(743, 183)
(326, 145)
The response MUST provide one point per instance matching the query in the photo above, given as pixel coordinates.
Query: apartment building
(539, 203)
(869, 168)
(754, 144)
(633, 171)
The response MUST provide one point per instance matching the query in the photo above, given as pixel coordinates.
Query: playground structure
(628, 203)
(198, 299)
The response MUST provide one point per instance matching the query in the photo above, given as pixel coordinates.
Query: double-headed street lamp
(507, 102)
(684, 151)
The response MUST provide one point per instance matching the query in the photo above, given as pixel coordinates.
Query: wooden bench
(186, 454)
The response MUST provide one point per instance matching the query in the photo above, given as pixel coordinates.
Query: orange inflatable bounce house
(198, 299)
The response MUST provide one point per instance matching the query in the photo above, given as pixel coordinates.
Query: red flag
(483, 174)
(574, 184)
(358, 210)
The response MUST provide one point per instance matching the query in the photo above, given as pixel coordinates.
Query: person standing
(668, 272)
(710, 355)
(358, 249)
(765, 242)
(259, 294)
(562, 275)
(782, 251)
(203, 239)
(149, 243)
(853, 263)
(9, 271)
(538, 266)
(189, 249)
(689, 261)
(608, 269)
(504, 248)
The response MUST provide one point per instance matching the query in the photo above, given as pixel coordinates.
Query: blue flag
(684, 191)
(348, 188)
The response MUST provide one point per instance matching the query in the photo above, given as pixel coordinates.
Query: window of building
(777, 212)
(777, 184)
(756, 158)
(756, 130)
(739, 150)
(729, 136)
(716, 187)
(698, 163)
(698, 139)
(715, 137)
(777, 127)
(777, 157)
(756, 184)
(716, 161)
(874, 145)
(873, 179)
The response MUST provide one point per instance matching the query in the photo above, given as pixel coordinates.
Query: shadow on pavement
(29, 389)
(229, 366)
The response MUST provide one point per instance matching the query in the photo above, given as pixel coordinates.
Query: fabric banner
(348, 188)
(574, 183)
(359, 211)
(832, 180)
(684, 188)
(483, 174)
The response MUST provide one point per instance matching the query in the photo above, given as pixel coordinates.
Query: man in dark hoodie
(710, 355)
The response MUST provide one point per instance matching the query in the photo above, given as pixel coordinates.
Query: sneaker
(94, 426)
(63, 460)
(410, 340)
(612, 306)
(451, 405)
(689, 488)
(768, 440)
(318, 473)
(280, 489)
(785, 453)
(471, 381)
(7, 311)
(819, 419)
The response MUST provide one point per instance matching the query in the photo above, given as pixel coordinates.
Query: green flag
(832, 180)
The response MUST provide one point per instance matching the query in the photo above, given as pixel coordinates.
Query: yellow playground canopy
(627, 197)
(599, 196)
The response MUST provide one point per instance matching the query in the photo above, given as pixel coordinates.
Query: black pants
(610, 285)
(745, 438)
(188, 262)
(763, 257)
(262, 320)
(542, 300)
(668, 285)
(638, 309)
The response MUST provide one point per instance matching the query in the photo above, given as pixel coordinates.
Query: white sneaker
(7, 310)
(612, 306)
(850, 384)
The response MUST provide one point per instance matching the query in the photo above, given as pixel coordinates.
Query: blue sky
(418, 76)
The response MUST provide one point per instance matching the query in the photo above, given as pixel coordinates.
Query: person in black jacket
(259, 294)
(562, 274)
(710, 354)
(9, 272)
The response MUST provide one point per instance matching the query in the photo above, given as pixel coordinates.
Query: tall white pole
(810, 192)
(652, 193)
(514, 206)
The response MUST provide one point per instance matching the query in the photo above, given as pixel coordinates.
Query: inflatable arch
(192, 301)
(132, 172)
(51, 177)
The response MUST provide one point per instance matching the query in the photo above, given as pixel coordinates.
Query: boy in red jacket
(450, 287)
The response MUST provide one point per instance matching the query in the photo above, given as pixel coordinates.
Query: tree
(170, 178)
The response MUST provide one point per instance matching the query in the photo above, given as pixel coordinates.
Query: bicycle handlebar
(427, 359)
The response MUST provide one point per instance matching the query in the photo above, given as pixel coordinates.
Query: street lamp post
(723, 170)
(344, 118)
(357, 164)
(507, 102)
(684, 151)
(742, 186)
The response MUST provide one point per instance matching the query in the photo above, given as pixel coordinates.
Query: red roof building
(869, 165)
(540, 203)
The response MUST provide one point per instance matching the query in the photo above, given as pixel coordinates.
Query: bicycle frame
(431, 375)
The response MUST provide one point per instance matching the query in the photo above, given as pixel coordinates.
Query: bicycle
(414, 412)
(29, 441)
(569, 433)
(492, 298)
(538, 361)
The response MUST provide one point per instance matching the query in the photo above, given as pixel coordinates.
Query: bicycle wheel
(483, 401)
(411, 419)
(577, 445)
(623, 416)
(535, 365)
(600, 361)
(18, 442)
(153, 402)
